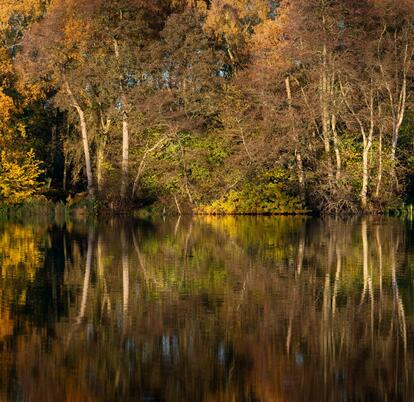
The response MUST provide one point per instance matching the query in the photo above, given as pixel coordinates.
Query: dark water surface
(210, 309)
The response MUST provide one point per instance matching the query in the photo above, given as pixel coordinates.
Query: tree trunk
(367, 141)
(325, 115)
(400, 105)
(336, 146)
(397, 97)
(84, 132)
(380, 167)
(99, 163)
(100, 151)
(364, 177)
(299, 163)
(301, 175)
(125, 130)
(125, 156)
(367, 134)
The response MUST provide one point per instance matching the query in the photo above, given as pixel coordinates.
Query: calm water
(209, 309)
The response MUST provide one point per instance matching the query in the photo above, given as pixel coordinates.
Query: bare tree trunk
(334, 127)
(301, 176)
(367, 134)
(125, 155)
(84, 132)
(99, 164)
(380, 167)
(299, 163)
(364, 178)
(324, 100)
(397, 86)
(367, 139)
(100, 151)
(245, 144)
(125, 131)
(65, 160)
(336, 146)
(400, 106)
(177, 205)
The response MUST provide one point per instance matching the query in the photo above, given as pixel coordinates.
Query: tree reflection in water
(208, 309)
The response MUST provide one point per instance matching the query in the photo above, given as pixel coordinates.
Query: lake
(232, 309)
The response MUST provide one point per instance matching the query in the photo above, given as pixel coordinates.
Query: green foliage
(269, 193)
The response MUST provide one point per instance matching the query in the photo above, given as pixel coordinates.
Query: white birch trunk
(125, 131)
(85, 142)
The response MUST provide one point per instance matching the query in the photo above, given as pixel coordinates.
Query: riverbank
(81, 207)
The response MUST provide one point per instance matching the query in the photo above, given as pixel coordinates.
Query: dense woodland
(217, 106)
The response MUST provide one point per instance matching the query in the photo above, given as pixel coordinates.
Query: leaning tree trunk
(84, 132)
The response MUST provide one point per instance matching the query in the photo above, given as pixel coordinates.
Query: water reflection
(209, 309)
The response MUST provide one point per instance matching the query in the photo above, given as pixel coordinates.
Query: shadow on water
(208, 309)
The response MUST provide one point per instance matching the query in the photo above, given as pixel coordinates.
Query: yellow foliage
(6, 66)
(19, 173)
(19, 169)
(6, 109)
(75, 29)
(24, 7)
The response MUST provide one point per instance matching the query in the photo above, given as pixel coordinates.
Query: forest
(208, 106)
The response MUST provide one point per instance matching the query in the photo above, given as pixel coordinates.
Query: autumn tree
(181, 104)
(19, 167)
(319, 69)
(53, 50)
(395, 52)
